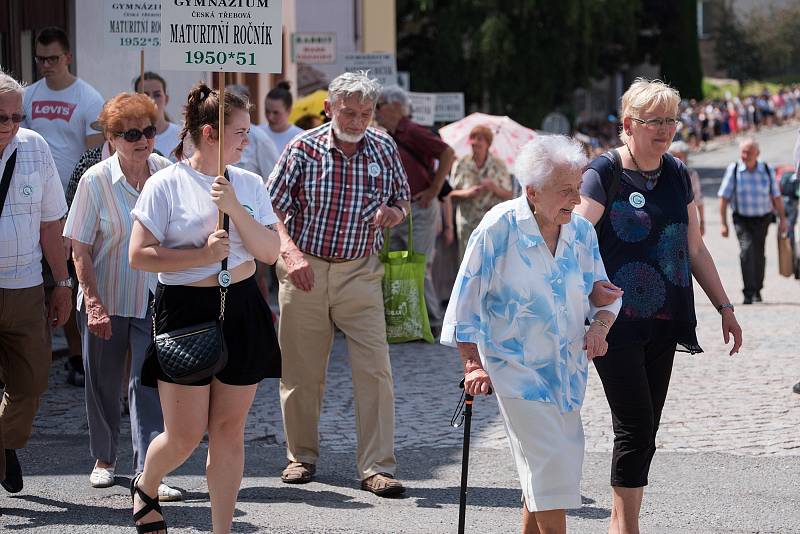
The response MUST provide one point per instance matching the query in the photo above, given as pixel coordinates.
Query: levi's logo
(52, 110)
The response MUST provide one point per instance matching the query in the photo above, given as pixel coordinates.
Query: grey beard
(347, 138)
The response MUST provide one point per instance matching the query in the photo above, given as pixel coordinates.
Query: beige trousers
(349, 296)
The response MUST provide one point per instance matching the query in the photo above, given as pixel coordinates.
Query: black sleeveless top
(645, 248)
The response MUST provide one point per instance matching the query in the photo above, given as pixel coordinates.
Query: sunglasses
(16, 118)
(135, 134)
(41, 60)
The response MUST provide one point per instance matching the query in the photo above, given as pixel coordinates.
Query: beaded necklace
(651, 177)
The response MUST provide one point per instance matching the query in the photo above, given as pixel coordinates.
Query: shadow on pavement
(311, 497)
(65, 514)
(493, 498)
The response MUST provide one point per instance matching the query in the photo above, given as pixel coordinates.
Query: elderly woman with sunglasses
(650, 240)
(113, 298)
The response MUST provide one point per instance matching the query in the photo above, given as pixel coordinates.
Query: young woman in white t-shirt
(175, 235)
(167, 132)
(277, 108)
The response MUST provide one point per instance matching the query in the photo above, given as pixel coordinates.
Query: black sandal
(150, 504)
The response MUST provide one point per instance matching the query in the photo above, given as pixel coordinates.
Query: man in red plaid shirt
(335, 189)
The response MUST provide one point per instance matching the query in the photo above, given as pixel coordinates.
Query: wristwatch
(402, 209)
(723, 306)
(66, 282)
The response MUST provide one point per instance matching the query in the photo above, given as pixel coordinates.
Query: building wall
(379, 20)
(111, 70)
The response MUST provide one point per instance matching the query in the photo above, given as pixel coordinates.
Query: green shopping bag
(404, 292)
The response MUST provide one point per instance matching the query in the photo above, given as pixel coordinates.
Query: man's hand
(724, 230)
(98, 320)
(67, 247)
(783, 226)
(604, 293)
(424, 198)
(388, 216)
(299, 270)
(59, 307)
(449, 235)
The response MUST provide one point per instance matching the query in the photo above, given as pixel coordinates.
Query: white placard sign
(423, 108)
(449, 107)
(382, 67)
(221, 35)
(133, 24)
(314, 48)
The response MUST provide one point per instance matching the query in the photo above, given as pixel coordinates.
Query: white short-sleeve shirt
(34, 196)
(176, 207)
(64, 119)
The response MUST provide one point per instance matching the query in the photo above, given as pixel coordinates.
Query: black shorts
(253, 352)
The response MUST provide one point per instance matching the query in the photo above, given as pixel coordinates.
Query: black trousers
(752, 235)
(635, 378)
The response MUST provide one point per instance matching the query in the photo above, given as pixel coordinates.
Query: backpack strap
(609, 167)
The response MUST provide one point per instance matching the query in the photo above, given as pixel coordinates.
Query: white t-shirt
(260, 154)
(64, 119)
(167, 140)
(175, 205)
(34, 196)
(282, 139)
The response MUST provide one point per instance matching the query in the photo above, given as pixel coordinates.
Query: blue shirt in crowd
(754, 189)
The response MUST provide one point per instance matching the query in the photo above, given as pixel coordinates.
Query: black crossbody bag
(195, 352)
(6, 182)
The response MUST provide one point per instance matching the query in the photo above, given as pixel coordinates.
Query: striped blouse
(100, 216)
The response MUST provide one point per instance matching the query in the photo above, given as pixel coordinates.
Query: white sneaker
(168, 494)
(102, 477)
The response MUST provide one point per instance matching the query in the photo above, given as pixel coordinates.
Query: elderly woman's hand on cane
(476, 379)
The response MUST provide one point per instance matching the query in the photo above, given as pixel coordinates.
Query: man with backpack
(749, 187)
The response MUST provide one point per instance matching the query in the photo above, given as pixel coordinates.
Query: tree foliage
(765, 44)
(526, 57)
(511, 57)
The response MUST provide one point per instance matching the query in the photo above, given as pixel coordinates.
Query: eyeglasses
(379, 105)
(41, 60)
(16, 118)
(135, 134)
(655, 124)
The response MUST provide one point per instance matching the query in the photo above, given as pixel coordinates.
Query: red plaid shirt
(330, 200)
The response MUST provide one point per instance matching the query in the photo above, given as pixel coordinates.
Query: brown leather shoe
(298, 473)
(383, 485)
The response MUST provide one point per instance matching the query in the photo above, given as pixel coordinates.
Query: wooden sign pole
(141, 70)
(221, 130)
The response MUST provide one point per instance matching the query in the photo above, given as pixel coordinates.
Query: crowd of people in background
(139, 194)
(704, 121)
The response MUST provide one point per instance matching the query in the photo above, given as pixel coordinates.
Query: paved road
(728, 461)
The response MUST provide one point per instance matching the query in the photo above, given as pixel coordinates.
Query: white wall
(111, 70)
(333, 16)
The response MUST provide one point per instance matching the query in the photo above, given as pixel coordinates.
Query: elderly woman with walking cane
(518, 313)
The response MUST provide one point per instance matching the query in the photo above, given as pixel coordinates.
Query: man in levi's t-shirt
(61, 107)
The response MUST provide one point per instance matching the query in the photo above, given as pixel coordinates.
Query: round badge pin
(224, 278)
(374, 169)
(27, 190)
(636, 199)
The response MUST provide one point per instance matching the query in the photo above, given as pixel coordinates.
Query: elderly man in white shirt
(32, 203)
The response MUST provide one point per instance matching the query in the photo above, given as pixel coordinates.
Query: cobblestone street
(741, 405)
